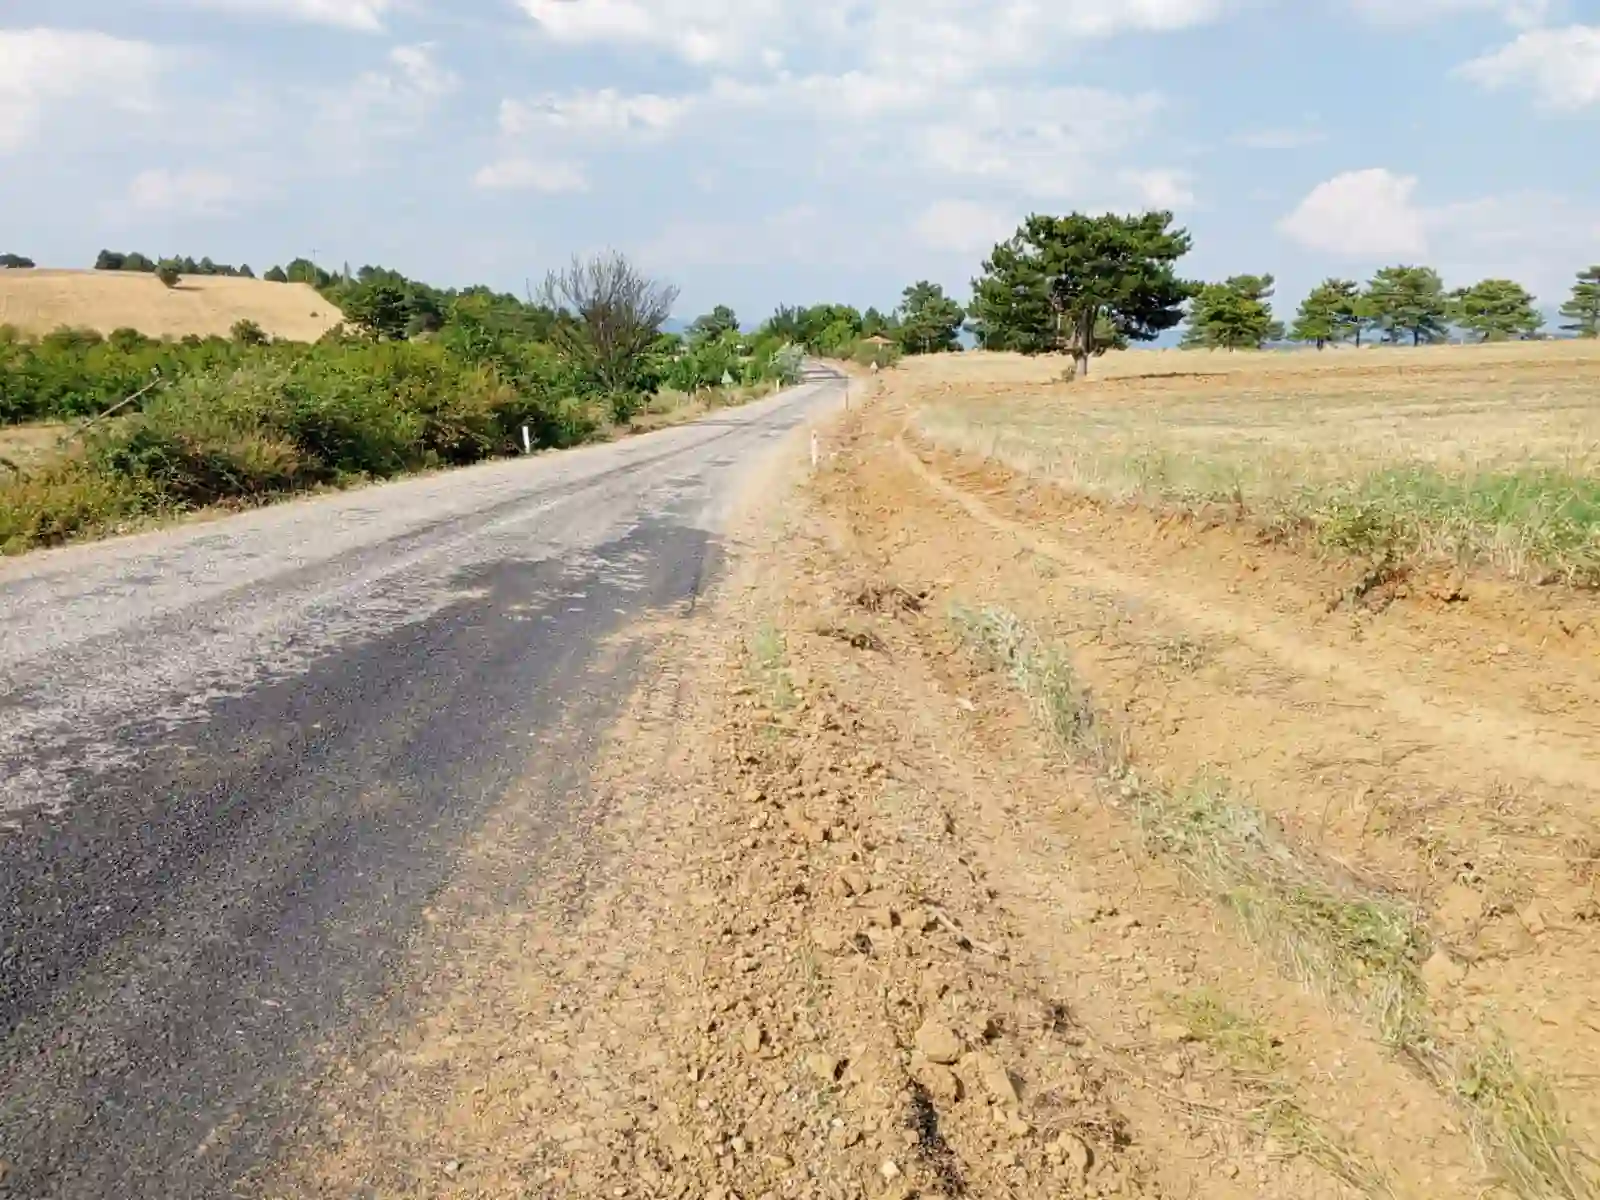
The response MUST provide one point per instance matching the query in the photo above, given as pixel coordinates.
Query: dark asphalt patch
(184, 943)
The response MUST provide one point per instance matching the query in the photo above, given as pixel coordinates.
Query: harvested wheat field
(37, 301)
(1063, 796)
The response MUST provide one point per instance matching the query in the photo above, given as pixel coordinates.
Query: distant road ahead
(238, 757)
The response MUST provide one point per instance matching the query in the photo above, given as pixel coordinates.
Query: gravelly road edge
(236, 760)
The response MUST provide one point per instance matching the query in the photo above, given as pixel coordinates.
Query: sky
(758, 152)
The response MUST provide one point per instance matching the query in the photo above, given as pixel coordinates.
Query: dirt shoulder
(851, 918)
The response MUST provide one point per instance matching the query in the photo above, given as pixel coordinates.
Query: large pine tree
(1583, 309)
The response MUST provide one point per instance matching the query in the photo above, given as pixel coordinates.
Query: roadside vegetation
(417, 378)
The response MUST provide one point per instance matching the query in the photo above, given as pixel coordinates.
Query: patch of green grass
(1043, 674)
(769, 654)
(1515, 1113)
(1534, 522)
(1530, 512)
(1285, 1122)
(1243, 1040)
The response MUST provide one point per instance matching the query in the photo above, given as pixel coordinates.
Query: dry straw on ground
(37, 302)
(1487, 454)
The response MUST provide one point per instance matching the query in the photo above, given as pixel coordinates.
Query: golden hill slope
(38, 301)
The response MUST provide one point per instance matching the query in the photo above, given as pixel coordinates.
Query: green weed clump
(1538, 522)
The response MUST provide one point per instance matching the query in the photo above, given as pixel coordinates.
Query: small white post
(527, 442)
(814, 453)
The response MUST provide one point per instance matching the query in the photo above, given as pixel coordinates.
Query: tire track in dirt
(1507, 741)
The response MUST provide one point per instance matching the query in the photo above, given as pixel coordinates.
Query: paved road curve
(236, 760)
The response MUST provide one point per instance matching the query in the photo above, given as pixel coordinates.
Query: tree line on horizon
(1019, 300)
(1082, 285)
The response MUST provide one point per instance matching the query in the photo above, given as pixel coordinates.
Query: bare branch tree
(614, 314)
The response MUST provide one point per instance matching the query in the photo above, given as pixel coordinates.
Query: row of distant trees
(113, 260)
(171, 269)
(1400, 303)
(1081, 285)
(926, 321)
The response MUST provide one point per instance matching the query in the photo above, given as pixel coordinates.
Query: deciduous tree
(714, 324)
(1061, 283)
(614, 313)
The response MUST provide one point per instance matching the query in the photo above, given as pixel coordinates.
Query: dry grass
(37, 302)
(24, 447)
(1351, 944)
(1473, 454)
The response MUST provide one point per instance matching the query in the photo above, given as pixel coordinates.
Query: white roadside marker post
(527, 442)
(814, 451)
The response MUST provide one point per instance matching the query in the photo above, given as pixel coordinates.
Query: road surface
(238, 757)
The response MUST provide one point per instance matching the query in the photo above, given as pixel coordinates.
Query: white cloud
(1536, 238)
(43, 68)
(963, 226)
(1278, 139)
(801, 233)
(1561, 66)
(601, 112)
(859, 95)
(528, 175)
(393, 102)
(943, 39)
(196, 192)
(1159, 188)
(1533, 237)
(363, 15)
(700, 31)
(1360, 214)
(1522, 13)
(1049, 143)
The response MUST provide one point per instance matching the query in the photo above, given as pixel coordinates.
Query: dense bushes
(732, 359)
(76, 372)
(239, 421)
(254, 425)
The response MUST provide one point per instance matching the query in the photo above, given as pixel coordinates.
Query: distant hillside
(38, 301)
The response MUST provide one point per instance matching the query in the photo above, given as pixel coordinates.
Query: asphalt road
(237, 758)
